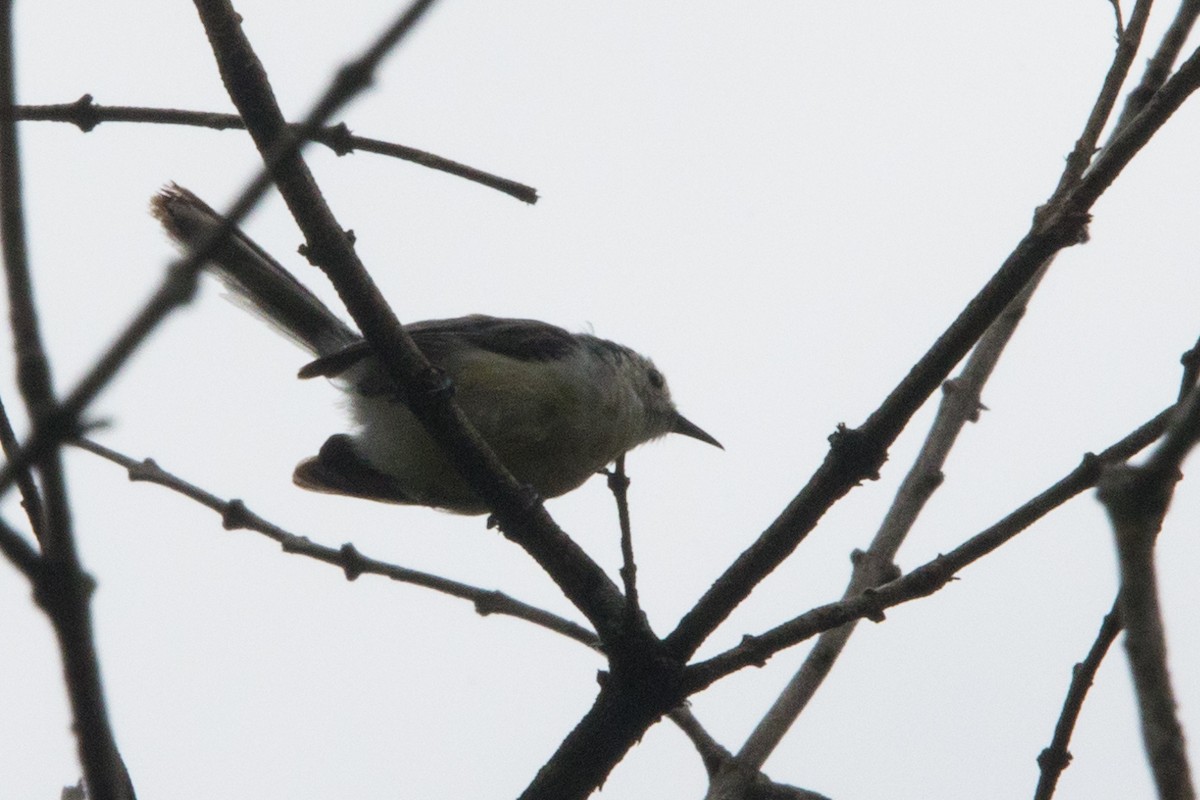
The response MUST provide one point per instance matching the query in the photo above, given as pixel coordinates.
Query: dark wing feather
(522, 339)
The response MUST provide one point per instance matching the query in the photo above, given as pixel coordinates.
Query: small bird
(556, 407)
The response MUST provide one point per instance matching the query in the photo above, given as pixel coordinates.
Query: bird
(556, 407)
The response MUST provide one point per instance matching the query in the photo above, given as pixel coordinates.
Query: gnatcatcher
(556, 407)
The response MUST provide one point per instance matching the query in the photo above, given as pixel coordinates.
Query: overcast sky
(783, 204)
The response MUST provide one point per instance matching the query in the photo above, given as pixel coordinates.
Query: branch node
(1133, 493)
(858, 453)
(490, 602)
(339, 139)
(320, 254)
(752, 645)
(145, 470)
(1091, 465)
(235, 516)
(352, 561)
(1054, 760)
(617, 481)
(875, 614)
(84, 114)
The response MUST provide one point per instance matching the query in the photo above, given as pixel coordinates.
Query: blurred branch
(1137, 498)
(929, 577)
(33, 368)
(179, 285)
(31, 498)
(19, 552)
(85, 114)
(1056, 757)
(236, 515)
(61, 588)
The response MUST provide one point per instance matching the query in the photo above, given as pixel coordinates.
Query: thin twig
(960, 405)
(1128, 41)
(929, 577)
(857, 454)
(1056, 757)
(618, 484)
(236, 515)
(1159, 66)
(179, 285)
(85, 114)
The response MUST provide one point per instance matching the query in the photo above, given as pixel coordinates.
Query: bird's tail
(258, 282)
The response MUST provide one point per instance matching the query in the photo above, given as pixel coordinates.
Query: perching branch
(236, 515)
(618, 484)
(522, 517)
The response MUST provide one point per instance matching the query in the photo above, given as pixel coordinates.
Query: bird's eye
(655, 377)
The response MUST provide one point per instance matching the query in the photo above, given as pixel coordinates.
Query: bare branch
(1116, 4)
(179, 285)
(1056, 758)
(521, 516)
(31, 497)
(857, 454)
(960, 405)
(61, 588)
(1159, 66)
(618, 484)
(929, 577)
(1137, 498)
(86, 115)
(236, 515)
(1128, 41)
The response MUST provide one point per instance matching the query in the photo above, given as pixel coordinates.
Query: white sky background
(783, 204)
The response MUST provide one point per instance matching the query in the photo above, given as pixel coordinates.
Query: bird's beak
(688, 428)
